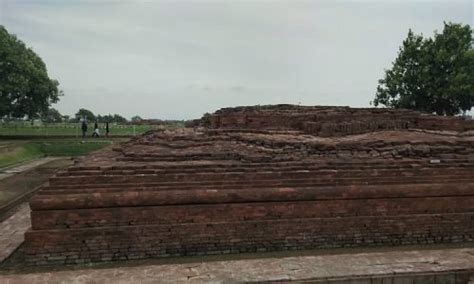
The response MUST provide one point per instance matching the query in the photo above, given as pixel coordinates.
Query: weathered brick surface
(240, 212)
(131, 242)
(332, 121)
(208, 196)
(262, 179)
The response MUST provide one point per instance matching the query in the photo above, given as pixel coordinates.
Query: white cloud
(178, 59)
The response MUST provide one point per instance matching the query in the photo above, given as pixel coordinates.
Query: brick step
(319, 162)
(147, 187)
(240, 184)
(229, 195)
(206, 156)
(241, 212)
(335, 175)
(359, 145)
(228, 176)
(132, 242)
(267, 157)
(249, 152)
(312, 146)
(288, 147)
(252, 169)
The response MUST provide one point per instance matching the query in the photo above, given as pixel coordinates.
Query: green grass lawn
(70, 147)
(14, 152)
(70, 129)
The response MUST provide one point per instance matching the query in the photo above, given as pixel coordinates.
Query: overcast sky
(178, 59)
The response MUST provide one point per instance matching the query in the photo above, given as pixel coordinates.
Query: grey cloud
(238, 89)
(179, 59)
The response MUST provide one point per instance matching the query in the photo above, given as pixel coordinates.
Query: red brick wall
(241, 212)
(333, 121)
(249, 194)
(193, 192)
(133, 242)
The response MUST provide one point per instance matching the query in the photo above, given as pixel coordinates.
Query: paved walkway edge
(12, 230)
(424, 266)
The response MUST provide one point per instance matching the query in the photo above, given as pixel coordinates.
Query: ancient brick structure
(332, 121)
(262, 179)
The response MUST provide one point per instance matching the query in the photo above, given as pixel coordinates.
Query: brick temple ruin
(263, 178)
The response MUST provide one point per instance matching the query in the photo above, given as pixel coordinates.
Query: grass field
(43, 140)
(69, 129)
(18, 151)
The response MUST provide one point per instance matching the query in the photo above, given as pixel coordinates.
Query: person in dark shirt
(96, 132)
(84, 128)
(107, 130)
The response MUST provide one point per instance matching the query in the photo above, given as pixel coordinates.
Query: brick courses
(332, 121)
(263, 179)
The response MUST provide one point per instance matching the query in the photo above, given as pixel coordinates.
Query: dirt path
(10, 171)
(18, 183)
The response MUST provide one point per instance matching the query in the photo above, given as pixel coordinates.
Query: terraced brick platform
(260, 179)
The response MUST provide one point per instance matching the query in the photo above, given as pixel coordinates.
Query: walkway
(18, 183)
(376, 265)
(12, 230)
(10, 171)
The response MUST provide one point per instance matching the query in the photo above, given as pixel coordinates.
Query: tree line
(54, 115)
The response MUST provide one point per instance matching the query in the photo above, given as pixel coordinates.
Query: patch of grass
(21, 151)
(70, 147)
(18, 154)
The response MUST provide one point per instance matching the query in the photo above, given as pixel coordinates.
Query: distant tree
(81, 113)
(106, 118)
(433, 74)
(136, 118)
(52, 115)
(73, 119)
(206, 120)
(25, 88)
(99, 118)
(119, 119)
(66, 118)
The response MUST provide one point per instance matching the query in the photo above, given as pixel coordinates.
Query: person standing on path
(84, 128)
(107, 130)
(96, 132)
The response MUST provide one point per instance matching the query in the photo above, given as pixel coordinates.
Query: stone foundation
(243, 187)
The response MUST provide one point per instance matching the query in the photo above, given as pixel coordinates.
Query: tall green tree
(25, 87)
(105, 118)
(136, 118)
(52, 115)
(119, 119)
(432, 74)
(85, 113)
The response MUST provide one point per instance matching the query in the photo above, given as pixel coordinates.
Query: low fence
(26, 129)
